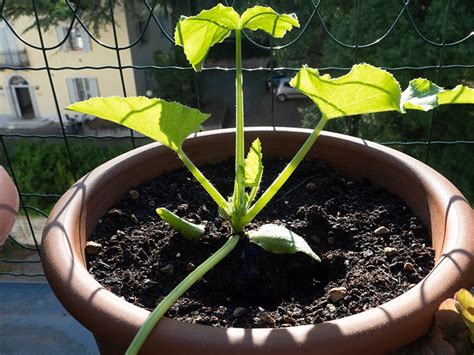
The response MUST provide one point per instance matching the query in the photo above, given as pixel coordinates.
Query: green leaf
(197, 34)
(364, 89)
(253, 164)
(266, 19)
(459, 95)
(166, 122)
(187, 229)
(421, 94)
(279, 240)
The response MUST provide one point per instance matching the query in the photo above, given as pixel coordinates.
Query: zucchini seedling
(365, 89)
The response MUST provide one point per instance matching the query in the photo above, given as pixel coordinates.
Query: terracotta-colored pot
(8, 204)
(114, 322)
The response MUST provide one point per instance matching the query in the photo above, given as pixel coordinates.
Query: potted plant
(365, 89)
(8, 204)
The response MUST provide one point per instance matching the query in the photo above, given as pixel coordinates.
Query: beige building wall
(108, 80)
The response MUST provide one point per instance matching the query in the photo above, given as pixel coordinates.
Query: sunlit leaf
(166, 122)
(266, 19)
(187, 229)
(421, 94)
(459, 95)
(279, 240)
(197, 34)
(364, 89)
(253, 164)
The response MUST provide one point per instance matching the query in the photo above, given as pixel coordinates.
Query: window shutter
(71, 88)
(93, 87)
(62, 33)
(86, 40)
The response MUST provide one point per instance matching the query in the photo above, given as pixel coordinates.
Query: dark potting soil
(373, 248)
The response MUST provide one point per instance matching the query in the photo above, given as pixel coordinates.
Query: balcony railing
(14, 59)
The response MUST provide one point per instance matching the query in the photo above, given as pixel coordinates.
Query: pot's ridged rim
(455, 250)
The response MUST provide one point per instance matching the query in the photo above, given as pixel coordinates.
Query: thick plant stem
(177, 292)
(239, 125)
(211, 190)
(286, 173)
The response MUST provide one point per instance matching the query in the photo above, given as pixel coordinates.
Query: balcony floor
(32, 321)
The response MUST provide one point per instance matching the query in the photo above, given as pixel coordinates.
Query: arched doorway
(22, 97)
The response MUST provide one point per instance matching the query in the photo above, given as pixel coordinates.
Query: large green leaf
(166, 122)
(459, 95)
(197, 34)
(279, 240)
(253, 164)
(266, 19)
(364, 89)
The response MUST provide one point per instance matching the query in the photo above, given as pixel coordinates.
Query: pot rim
(9, 204)
(449, 272)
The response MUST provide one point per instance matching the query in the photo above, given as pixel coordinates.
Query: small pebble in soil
(367, 253)
(331, 308)
(336, 294)
(134, 218)
(239, 311)
(311, 186)
(190, 267)
(389, 251)
(168, 269)
(381, 230)
(330, 256)
(93, 247)
(409, 267)
(115, 212)
(151, 203)
(266, 319)
(134, 194)
(178, 255)
(203, 211)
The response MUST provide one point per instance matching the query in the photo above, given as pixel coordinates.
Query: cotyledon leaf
(197, 34)
(280, 240)
(187, 229)
(166, 122)
(364, 89)
(253, 164)
(266, 19)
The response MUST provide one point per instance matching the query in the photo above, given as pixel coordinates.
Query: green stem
(239, 125)
(286, 173)
(177, 292)
(211, 190)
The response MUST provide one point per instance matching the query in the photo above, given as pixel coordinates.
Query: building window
(76, 40)
(82, 88)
